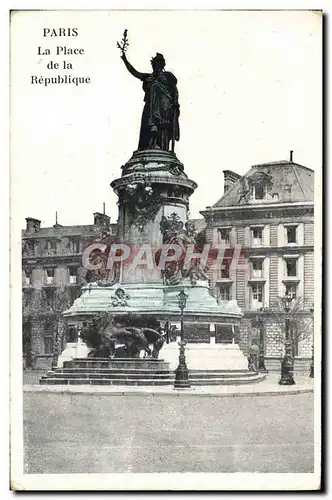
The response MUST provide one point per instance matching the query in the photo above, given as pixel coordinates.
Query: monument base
(210, 357)
(154, 299)
(143, 372)
(208, 362)
(73, 350)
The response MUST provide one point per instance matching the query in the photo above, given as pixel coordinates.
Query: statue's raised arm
(131, 68)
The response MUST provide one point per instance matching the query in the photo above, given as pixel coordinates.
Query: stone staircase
(138, 372)
(106, 371)
(222, 377)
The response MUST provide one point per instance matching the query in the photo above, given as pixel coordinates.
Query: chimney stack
(101, 220)
(291, 155)
(56, 225)
(230, 178)
(33, 225)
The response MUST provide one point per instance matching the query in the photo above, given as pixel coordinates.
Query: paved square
(81, 433)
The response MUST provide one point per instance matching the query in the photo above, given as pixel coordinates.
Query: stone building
(52, 276)
(268, 215)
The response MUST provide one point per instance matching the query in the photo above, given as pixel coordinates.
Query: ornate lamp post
(287, 364)
(55, 349)
(312, 365)
(261, 359)
(181, 373)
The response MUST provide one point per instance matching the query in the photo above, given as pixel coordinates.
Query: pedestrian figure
(30, 360)
(253, 358)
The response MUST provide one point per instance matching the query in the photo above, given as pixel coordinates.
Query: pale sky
(249, 86)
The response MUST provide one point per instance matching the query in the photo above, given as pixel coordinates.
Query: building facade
(267, 215)
(52, 277)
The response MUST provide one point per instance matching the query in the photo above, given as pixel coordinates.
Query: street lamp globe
(182, 299)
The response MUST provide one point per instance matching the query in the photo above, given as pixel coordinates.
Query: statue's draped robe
(160, 118)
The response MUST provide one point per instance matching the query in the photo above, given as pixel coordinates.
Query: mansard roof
(286, 182)
(58, 231)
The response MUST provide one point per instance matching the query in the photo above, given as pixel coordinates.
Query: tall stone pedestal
(153, 184)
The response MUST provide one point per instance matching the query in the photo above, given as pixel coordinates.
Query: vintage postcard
(166, 184)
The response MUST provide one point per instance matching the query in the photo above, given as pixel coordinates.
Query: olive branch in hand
(124, 44)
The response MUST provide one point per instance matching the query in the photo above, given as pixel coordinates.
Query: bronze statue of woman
(160, 117)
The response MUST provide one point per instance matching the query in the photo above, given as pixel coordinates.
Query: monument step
(117, 363)
(220, 370)
(102, 381)
(127, 360)
(228, 381)
(112, 376)
(221, 374)
(133, 371)
(149, 381)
